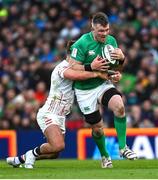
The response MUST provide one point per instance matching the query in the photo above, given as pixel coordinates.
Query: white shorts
(88, 100)
(45, 119)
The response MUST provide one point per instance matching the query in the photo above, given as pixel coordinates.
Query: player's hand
(100, 64)
(117, 54)
(115, 77)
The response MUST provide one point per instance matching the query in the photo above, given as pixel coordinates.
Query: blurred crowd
(33, 36)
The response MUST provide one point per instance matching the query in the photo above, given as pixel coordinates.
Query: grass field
(88, 169)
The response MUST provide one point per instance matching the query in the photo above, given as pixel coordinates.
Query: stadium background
(33, 35)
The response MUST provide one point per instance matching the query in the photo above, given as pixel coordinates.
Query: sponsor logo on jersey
(74, 52)
(91, 52)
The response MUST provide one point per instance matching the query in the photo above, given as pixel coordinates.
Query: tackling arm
(83, 75)
(76, 65)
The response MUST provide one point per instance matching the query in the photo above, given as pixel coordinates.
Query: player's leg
(48, 156)
(94, 119)
(55, 144)
(54, 130)
(88, 103)
(55, 141)
(117, 106)
(17, 161)
(112, 99)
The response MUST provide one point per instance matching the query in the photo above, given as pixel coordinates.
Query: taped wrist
(87, 67)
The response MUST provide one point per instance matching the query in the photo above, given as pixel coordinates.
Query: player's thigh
(45, 119)
(88, 100)
(110, 97)
(115, 102)
(54, 135)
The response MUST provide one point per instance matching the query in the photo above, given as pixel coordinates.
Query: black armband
(87, 67)
(121, 62)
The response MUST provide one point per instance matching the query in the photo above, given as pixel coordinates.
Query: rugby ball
(107, 49)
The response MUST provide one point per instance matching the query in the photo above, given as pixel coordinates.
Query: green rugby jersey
(85, 50)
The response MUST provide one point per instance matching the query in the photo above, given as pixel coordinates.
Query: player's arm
(83, 75)
(98, 64)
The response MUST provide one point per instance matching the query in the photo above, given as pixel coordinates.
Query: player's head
(68, 47)
(100, 26)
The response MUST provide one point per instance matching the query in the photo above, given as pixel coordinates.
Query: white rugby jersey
(61, 95)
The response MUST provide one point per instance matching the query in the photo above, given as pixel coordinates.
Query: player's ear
(92, 26)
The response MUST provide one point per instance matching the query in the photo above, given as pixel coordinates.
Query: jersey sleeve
(77, 51)
(62, 69)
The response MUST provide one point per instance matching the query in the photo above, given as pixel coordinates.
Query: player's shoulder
(60, 68)
(63, 63)
(83, 38)
(82, 42)
(110, 37)
(86, 35)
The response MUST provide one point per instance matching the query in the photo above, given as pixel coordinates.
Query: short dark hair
(68, 46)
(100, 18)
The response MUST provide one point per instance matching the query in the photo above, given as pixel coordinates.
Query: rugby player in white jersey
(51, 117)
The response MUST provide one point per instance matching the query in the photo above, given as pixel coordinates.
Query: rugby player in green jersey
(91, 93)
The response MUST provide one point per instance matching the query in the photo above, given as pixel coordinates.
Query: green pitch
(87, 169)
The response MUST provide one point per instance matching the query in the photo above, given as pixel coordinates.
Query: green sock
(100, 141)
(120, 126)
